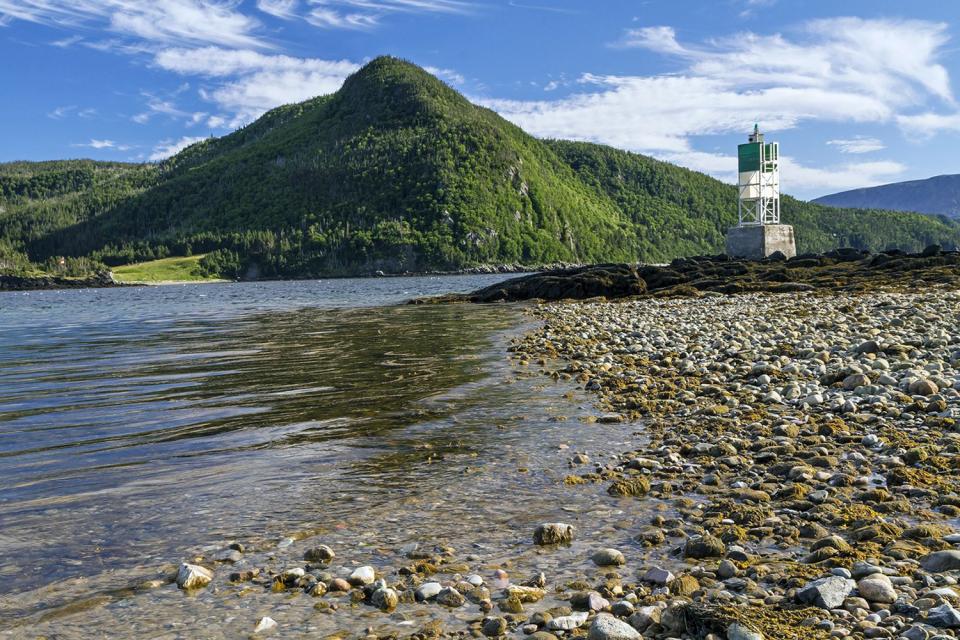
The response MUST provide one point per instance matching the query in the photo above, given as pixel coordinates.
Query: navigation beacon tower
(759, 233)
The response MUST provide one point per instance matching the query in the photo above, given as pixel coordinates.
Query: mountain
(939, 195)
(395, 171)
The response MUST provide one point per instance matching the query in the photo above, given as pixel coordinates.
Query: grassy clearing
(165, 270)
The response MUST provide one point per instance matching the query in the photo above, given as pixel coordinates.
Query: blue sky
(858, 93)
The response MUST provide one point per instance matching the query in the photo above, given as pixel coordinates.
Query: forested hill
(396, 171)
(937, 195)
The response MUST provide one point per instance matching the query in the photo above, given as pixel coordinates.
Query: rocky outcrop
(847, 270)
(32, 283)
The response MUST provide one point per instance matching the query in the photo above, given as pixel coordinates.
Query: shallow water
(139, 427)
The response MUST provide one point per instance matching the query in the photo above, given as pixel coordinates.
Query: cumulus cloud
(859, 144)
(848, 70)
(166, 148)
(254, 82)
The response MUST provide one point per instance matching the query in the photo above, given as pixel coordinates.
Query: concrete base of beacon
(760, 241)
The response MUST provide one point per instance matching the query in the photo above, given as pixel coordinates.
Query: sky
(858, 93)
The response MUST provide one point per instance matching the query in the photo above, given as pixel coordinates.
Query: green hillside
(396, 171)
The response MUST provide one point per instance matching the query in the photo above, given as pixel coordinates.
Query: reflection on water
(139, 427)
(107, 434)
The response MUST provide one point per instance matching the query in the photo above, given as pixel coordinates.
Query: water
(139, 427)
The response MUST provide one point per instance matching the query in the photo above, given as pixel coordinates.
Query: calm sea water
(140, 426)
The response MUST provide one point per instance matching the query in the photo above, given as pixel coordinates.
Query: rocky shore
(792, 472)
(843, 270)
(34, 283)
(807, 446)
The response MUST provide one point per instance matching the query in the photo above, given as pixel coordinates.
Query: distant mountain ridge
(395, 172)
(939, 195)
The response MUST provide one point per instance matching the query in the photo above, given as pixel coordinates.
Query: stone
(607, 627)
(553, 533)
(658, 576)
(608, 558)
(362, 576)
(944, 617)
(427, 591)
(321, 553)
(493, 627)
(727, 570)
(588, 601)
(705, 546)
(877, 588)
(940, 561)
(385, 599)
(339, 584)
(568, 623)
(193, 576)
(737, 631)
(645, 616)
(923, 388)
(450, 597)
(826, 593)
(265, 623)
(855, 381)
(525, 594)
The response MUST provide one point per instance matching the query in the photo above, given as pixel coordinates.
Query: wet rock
(607, 627)
(339, 584)
(525, 594)
(608, 558)
(321, 553)
(193, 576)
(428, 590)
(553, 533)
(493, 627)
(638, 486)
(385, 599)
(265, 624)
(362, 576)
(705, 546)
(450, 597)
(826, 593)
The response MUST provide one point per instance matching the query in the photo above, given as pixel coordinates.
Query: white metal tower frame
(759, 201)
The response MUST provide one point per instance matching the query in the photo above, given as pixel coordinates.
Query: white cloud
(167, 148)
(366, 14)
(163, 22)
(61, 112)
(661, 39)
(859, 144)
(104, 144)
(255, 82)
(846, 70)
(285, 9)
(926, 125)
(161, 106)
(830, 178)
(448, 75)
